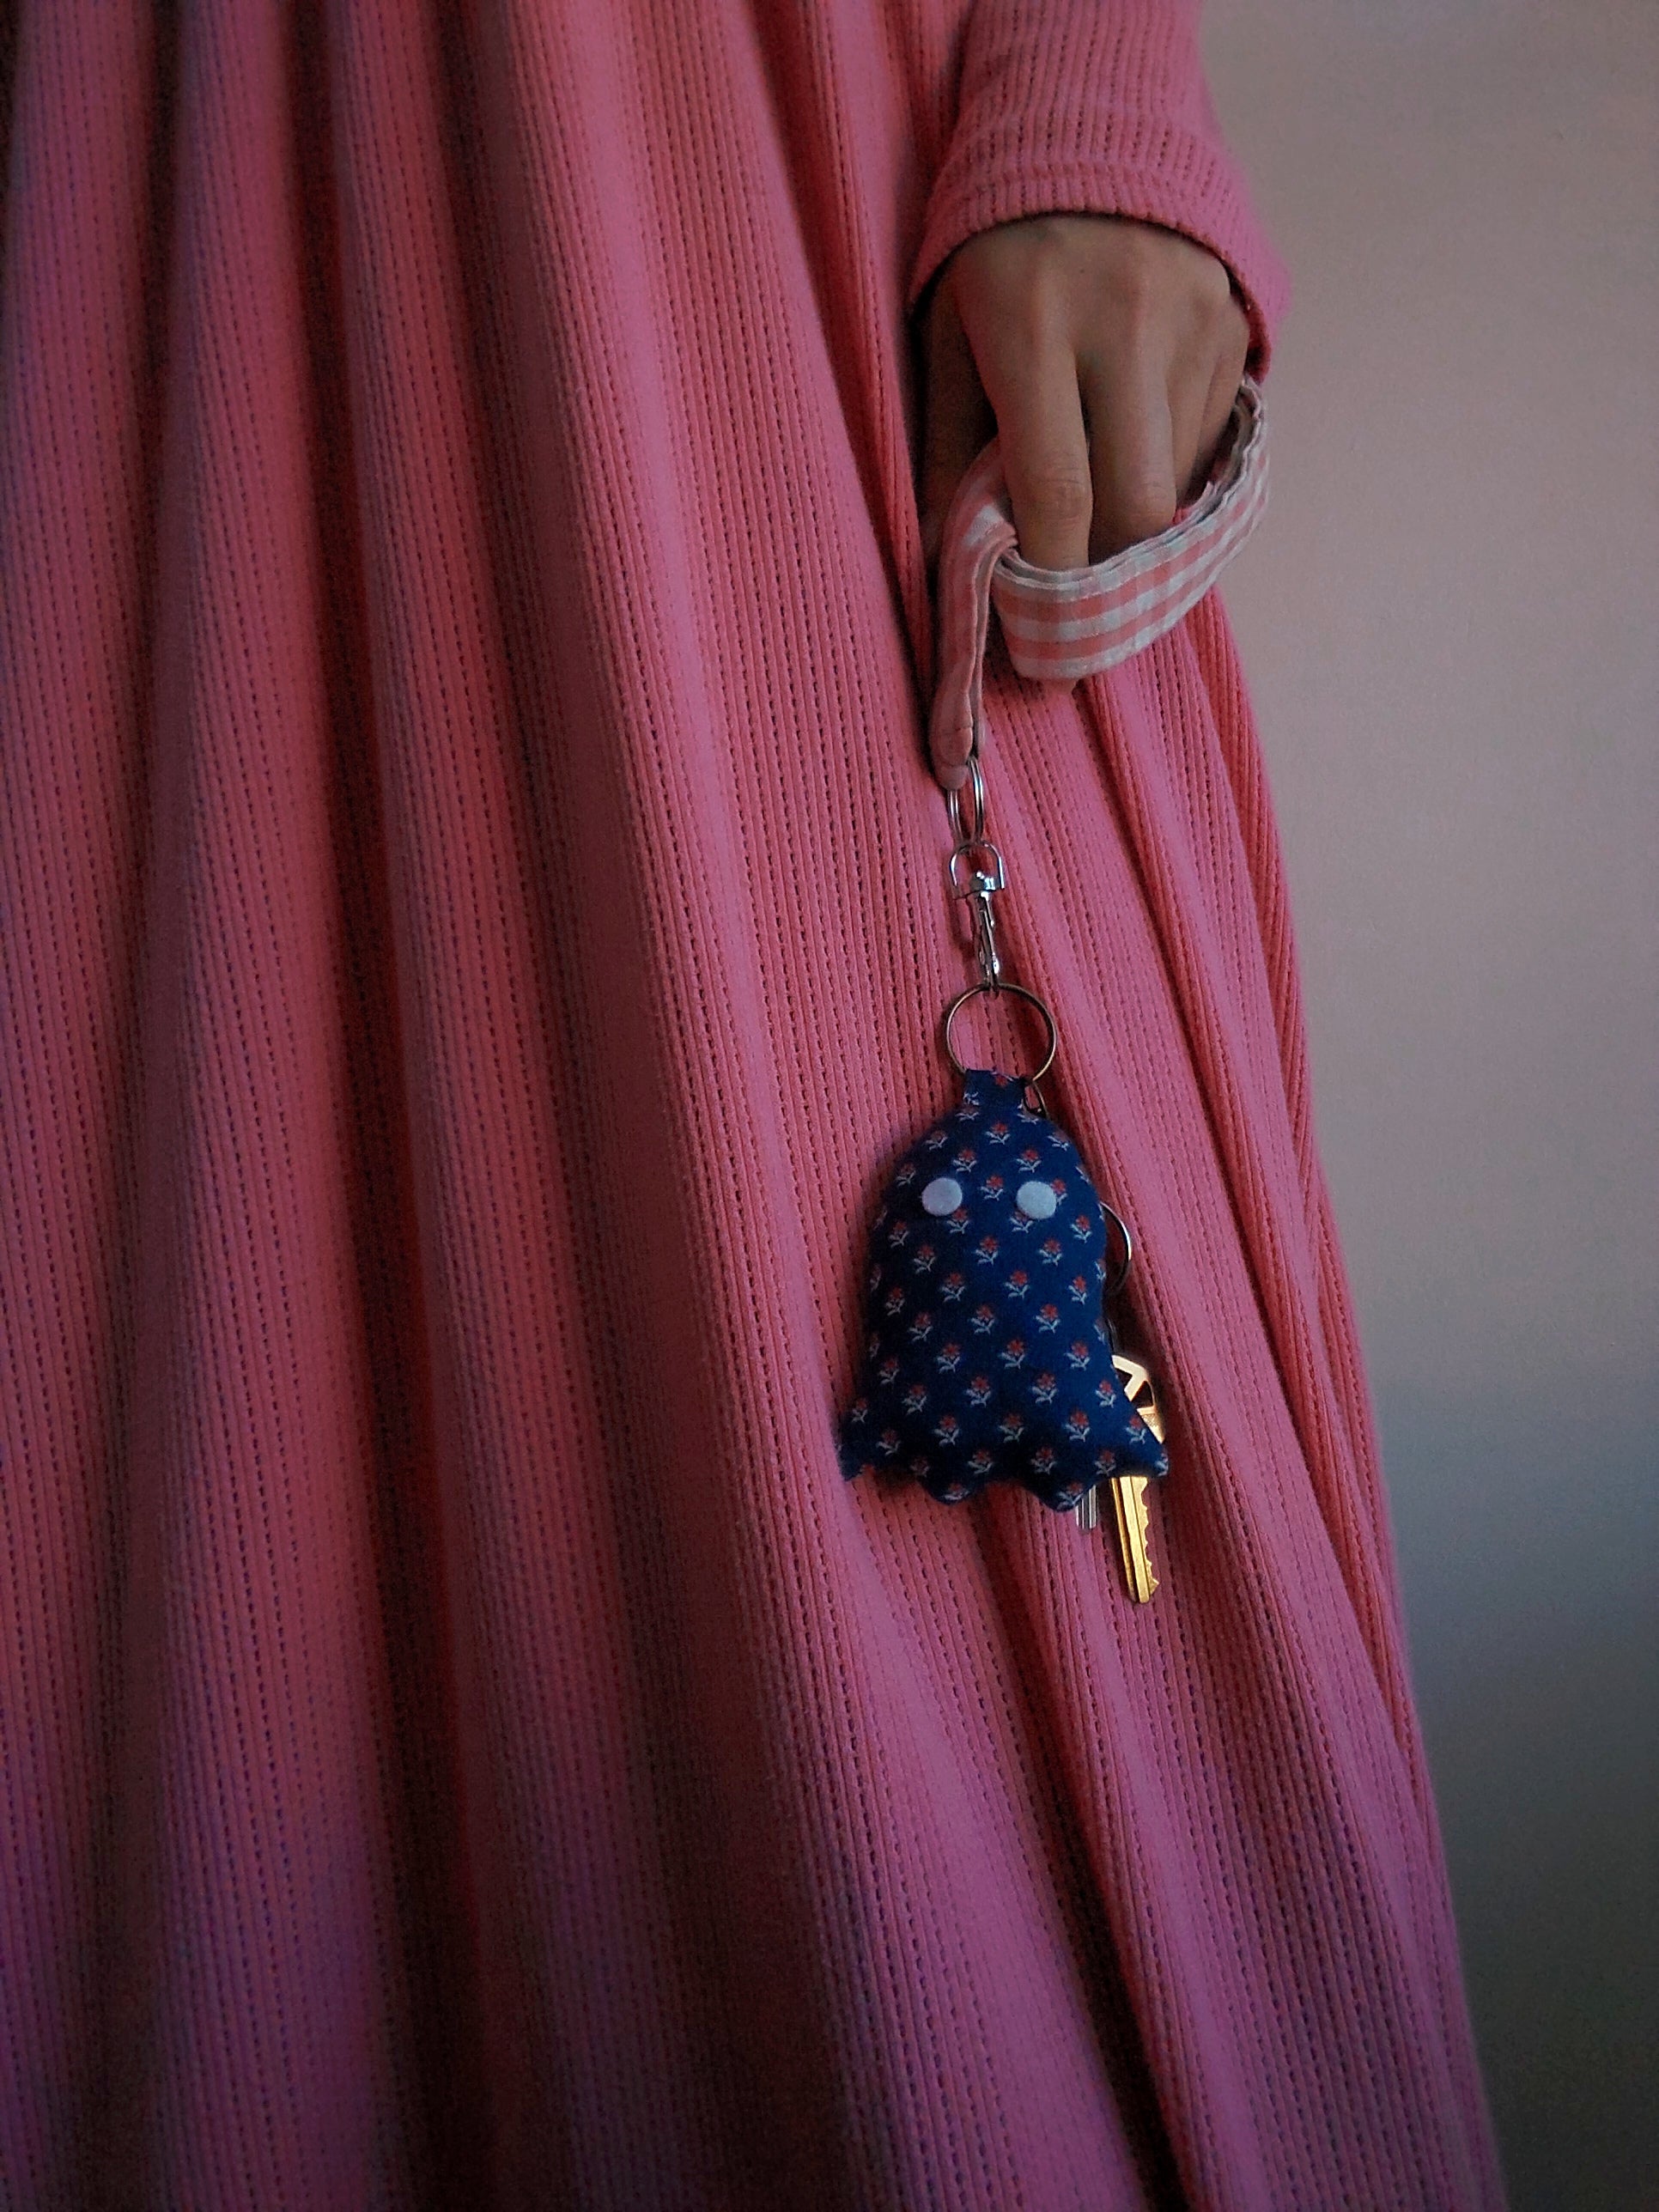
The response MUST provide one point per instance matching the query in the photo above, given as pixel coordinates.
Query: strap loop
(1061, 624)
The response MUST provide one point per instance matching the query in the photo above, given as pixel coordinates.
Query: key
(1129, 1490)
(1129, 1499)
(1129, 1496)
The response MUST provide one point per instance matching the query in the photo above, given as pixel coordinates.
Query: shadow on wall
(1531, 1614)
(1447, 622)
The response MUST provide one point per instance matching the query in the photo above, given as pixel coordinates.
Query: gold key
(1129, 1490)
(1129, 1496)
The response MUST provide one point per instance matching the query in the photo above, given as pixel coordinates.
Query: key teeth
(1130, 1497)
(1132, 1521)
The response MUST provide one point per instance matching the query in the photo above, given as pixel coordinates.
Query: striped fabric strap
(1062, 623)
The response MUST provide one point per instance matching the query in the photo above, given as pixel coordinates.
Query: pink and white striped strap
(1062, 623)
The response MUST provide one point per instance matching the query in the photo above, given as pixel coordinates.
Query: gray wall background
(1448, 619)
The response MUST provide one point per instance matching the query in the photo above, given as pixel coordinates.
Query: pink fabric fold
(471, 939)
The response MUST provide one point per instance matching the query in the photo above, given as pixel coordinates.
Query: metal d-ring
(975, 783)
(1122, 1277)
(1019, 991)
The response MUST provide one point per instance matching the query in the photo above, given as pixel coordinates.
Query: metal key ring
(953, 799)
(1019, 991)
(1122, 1277)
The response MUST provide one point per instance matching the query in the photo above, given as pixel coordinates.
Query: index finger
(1126, 399)
(1032, 386)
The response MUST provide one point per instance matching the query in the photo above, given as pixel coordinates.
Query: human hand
(1104, 353)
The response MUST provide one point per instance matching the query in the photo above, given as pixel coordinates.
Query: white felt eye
(942, 1195)
(1037, 1199)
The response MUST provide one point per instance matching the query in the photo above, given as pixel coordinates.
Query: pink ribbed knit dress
(472, 936)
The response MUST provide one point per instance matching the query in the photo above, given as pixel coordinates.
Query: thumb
(957, 416)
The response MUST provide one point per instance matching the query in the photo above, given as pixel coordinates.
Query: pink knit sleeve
(1096, 106)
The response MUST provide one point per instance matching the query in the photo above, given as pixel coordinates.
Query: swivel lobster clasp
(975, 869)
(976, 872)
(982, 863)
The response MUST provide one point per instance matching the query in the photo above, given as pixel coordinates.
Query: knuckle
(1213, 281)
(1138, 272)
(1140, 304)
(1061, 493)
(1046, 244)
(1226, 323)
(1143, 511)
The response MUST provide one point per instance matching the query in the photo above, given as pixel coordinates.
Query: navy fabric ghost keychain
(989, 1354)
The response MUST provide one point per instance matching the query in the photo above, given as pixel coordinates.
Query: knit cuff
(1068, 106)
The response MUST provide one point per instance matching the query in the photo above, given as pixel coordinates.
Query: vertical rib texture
(472, 936)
